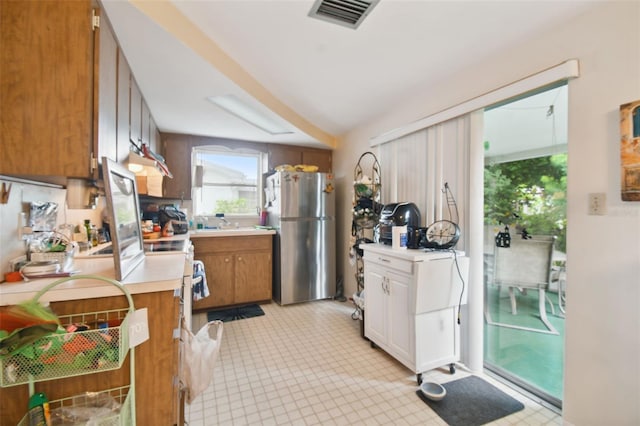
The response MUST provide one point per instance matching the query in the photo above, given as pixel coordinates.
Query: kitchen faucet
(223, 222)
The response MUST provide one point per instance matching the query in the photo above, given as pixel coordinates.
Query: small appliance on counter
(163, 214)
(397, 214)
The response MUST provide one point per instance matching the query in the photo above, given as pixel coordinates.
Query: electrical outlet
(597, 203)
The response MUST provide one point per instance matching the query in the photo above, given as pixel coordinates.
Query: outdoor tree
(232, 206)
(528, 194)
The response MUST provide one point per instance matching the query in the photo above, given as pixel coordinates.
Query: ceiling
(318, 79)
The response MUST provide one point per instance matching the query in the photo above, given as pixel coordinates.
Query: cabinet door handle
(239, 259)
(226, 259)
(382, 259)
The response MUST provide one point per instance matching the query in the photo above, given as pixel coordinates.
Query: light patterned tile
(306, 364)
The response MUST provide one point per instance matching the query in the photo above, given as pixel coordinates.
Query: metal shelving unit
(366, 210)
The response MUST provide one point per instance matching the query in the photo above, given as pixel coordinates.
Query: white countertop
(155, 273)
(413, 255)
(160, 271)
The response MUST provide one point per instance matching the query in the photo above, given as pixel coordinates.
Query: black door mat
(235, 313)
(471, 401)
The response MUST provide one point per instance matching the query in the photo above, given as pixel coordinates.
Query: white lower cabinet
(388, 322)
(411, 305)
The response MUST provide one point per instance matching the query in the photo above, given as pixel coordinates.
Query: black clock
(441, 234)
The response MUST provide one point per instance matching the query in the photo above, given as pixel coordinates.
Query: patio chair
(526, 264)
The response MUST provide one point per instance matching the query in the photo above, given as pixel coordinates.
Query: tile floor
(306, 364)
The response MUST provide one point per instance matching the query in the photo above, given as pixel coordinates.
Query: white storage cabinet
(412, 299)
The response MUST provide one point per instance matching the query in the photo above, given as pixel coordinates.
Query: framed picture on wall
(630, 151)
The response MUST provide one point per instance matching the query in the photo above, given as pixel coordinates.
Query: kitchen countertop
(155, 273)
(414, 255)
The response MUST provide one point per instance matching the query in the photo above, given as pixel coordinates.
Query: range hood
(149, 175)
(139, 164)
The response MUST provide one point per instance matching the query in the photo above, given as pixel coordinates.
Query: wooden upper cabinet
(46, 88)
(106, 92)
(284, 154)
(124, 99)
(318, 157)
(154, 135)
(293, 155)
(176, 150)
(144, 124)
(135, 114)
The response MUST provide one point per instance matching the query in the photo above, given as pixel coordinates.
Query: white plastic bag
(200, 354)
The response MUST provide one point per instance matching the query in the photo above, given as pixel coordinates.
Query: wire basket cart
(84, 343)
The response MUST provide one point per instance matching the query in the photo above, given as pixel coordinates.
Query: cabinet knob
(239, 258)
(226, 259)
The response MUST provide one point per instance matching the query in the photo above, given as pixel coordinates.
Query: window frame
(197, 151)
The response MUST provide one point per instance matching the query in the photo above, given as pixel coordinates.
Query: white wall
(602, 368)
(22, 194)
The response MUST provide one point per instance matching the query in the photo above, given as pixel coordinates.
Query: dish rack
(53, 246)
(64, 258)
(103, 346)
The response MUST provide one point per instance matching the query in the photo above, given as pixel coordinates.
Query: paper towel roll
(399, 237)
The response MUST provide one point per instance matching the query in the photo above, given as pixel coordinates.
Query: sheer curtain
(415, 168)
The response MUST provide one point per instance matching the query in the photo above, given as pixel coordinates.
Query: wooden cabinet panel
(46, 87)
(106, 92)
(253, 277)
(124, 102)
(293, 155)
(154, 136)
(177, 153)
(320, 158)
(238, 269)
(144, 123)
(232, 244)
(283, 154)
(220, 270)
(156, 363)
(135, 114)
(176, 149)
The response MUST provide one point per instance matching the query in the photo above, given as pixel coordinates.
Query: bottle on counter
(93, 236)
(87, 227)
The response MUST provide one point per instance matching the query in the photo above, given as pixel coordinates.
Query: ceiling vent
(348, 13)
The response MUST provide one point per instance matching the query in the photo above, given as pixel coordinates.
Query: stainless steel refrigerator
(301, 206)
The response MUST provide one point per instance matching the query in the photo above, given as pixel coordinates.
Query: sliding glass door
(524, 241)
